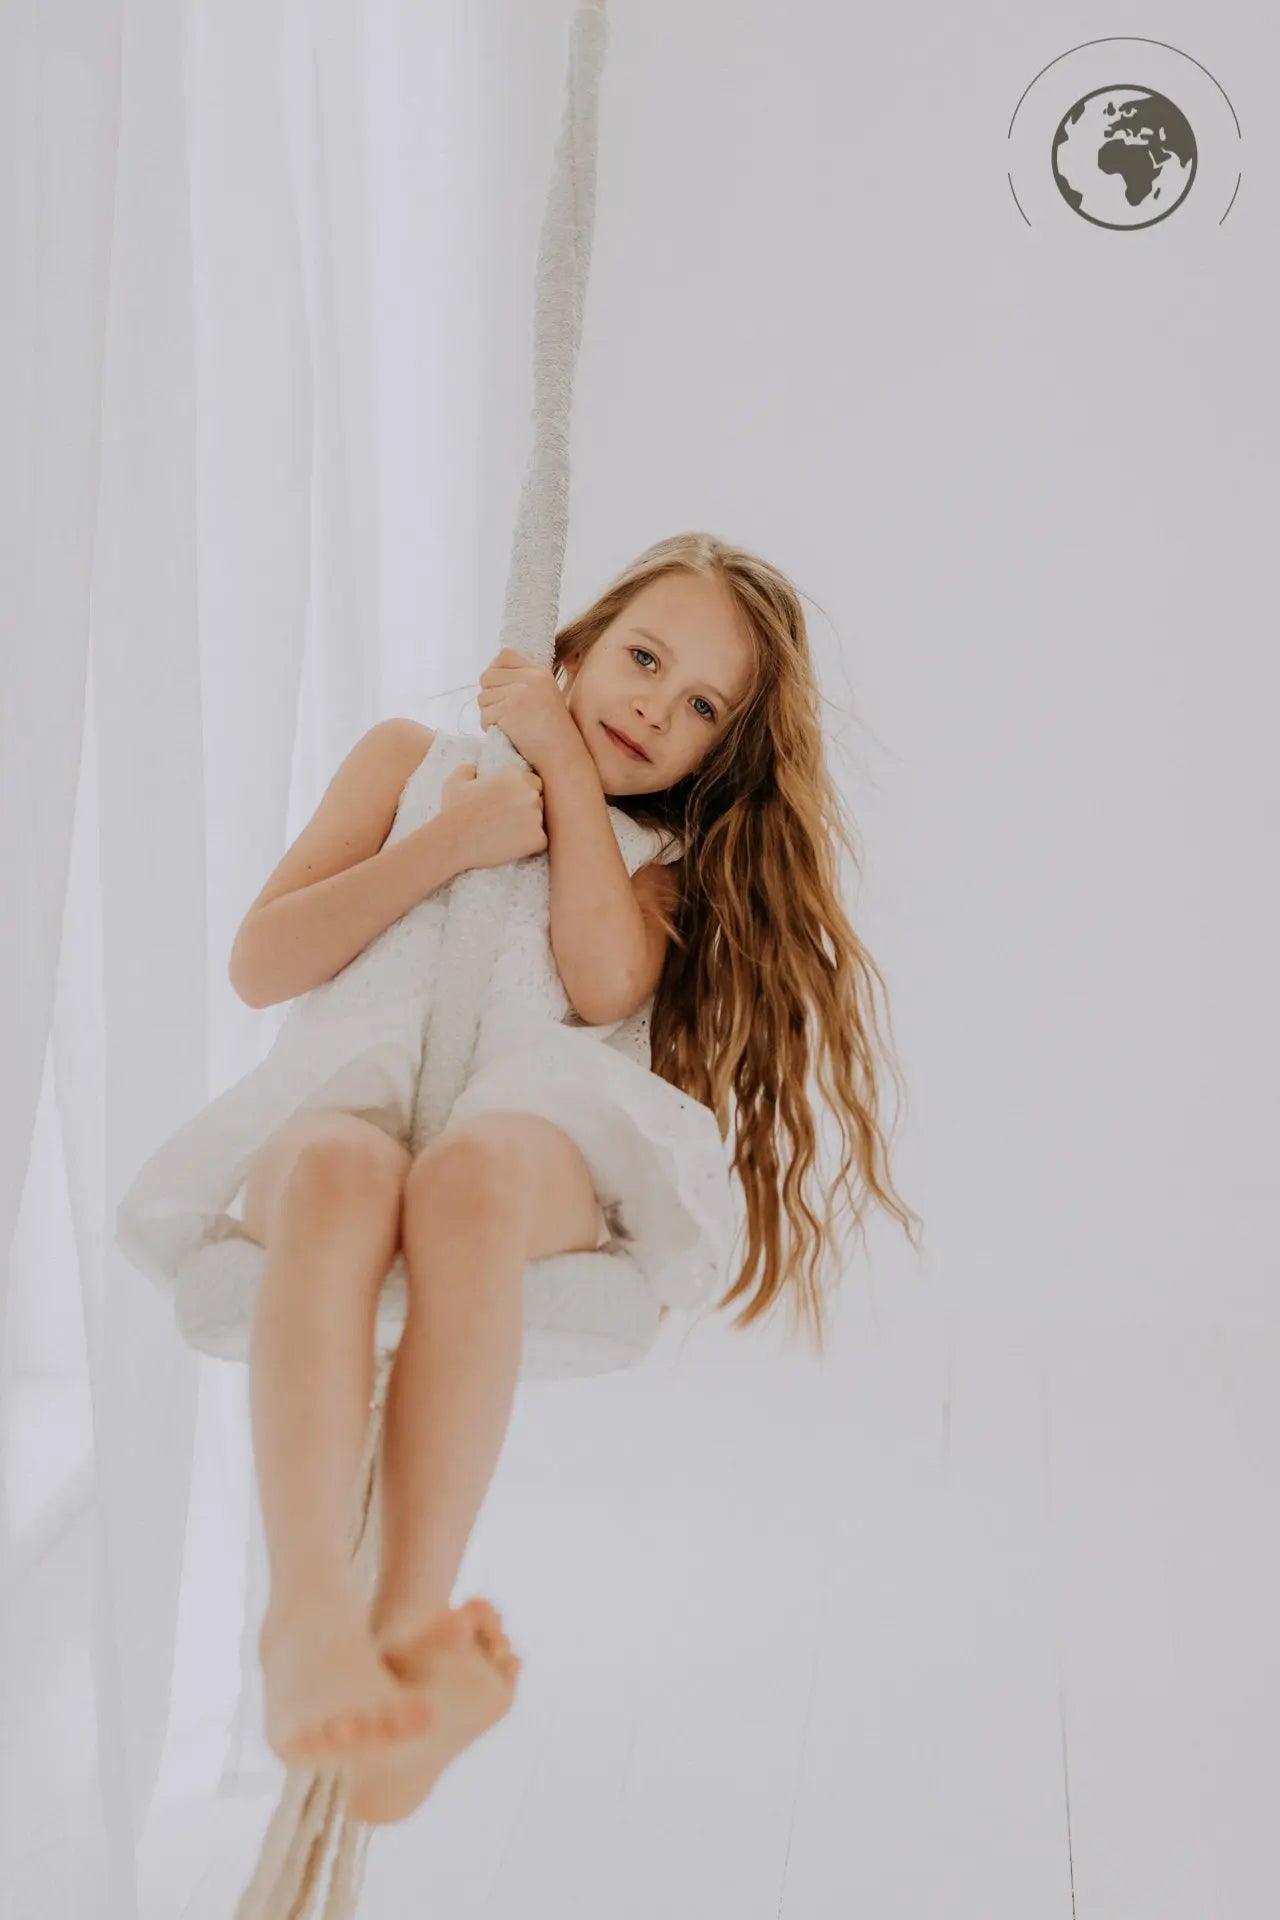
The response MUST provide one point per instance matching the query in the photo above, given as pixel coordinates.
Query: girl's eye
(711, 712)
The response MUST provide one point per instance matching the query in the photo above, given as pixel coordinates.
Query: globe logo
(1124, 157)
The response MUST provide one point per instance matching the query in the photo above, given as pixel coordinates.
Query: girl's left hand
(525, 701)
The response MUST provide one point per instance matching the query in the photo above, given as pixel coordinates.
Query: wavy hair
(765, 983)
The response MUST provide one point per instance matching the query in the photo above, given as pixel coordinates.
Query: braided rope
(311, 1820)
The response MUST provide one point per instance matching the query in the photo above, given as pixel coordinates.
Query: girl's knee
(319, 1145)
(341, 1161)
(354, 1160)
(472, 1163)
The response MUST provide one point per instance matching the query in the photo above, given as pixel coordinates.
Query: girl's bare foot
(464, 1663)
(326, 1689)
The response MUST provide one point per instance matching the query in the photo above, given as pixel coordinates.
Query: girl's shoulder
(405, 745)
(415, 736)
(414, 740)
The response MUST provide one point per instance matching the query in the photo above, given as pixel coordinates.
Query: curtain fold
(255, 494)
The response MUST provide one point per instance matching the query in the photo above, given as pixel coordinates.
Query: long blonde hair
(764, 971)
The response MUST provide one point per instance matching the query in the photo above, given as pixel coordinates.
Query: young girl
(680, 729)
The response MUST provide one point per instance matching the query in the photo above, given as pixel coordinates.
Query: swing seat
(584, 1313)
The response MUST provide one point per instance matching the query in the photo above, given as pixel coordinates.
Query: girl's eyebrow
(664, 648)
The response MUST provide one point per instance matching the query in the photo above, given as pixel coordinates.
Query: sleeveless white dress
(660, 1169)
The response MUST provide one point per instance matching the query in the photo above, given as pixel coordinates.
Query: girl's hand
(499, 815)
(524, 700)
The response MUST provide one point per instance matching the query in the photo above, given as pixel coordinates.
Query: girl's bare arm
(299, 941)
(340, 884)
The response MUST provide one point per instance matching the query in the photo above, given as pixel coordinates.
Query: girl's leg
(449, 1402)
(479, 1203)
(332, 1234)
(487, 1197)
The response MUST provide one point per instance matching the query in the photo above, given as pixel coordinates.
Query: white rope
(310, 1816)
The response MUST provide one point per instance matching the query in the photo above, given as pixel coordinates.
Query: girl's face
(669, 672)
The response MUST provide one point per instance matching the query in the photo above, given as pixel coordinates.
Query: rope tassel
(311, 1822)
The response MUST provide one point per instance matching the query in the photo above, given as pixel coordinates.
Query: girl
(680, 728)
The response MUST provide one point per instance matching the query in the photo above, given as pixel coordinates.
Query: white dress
(660, 1168)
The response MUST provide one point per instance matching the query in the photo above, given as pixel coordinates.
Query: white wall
(1026, 464)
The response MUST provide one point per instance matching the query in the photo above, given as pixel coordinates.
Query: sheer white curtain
(264, 354)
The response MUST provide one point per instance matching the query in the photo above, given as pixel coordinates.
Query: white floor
(976, 1622)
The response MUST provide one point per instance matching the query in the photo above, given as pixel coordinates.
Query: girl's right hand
(500, 817)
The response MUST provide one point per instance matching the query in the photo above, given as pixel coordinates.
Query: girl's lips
(622, 745)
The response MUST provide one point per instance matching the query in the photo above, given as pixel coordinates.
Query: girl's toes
(358, 1732)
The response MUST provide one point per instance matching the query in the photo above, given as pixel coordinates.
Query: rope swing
(311, 1833)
